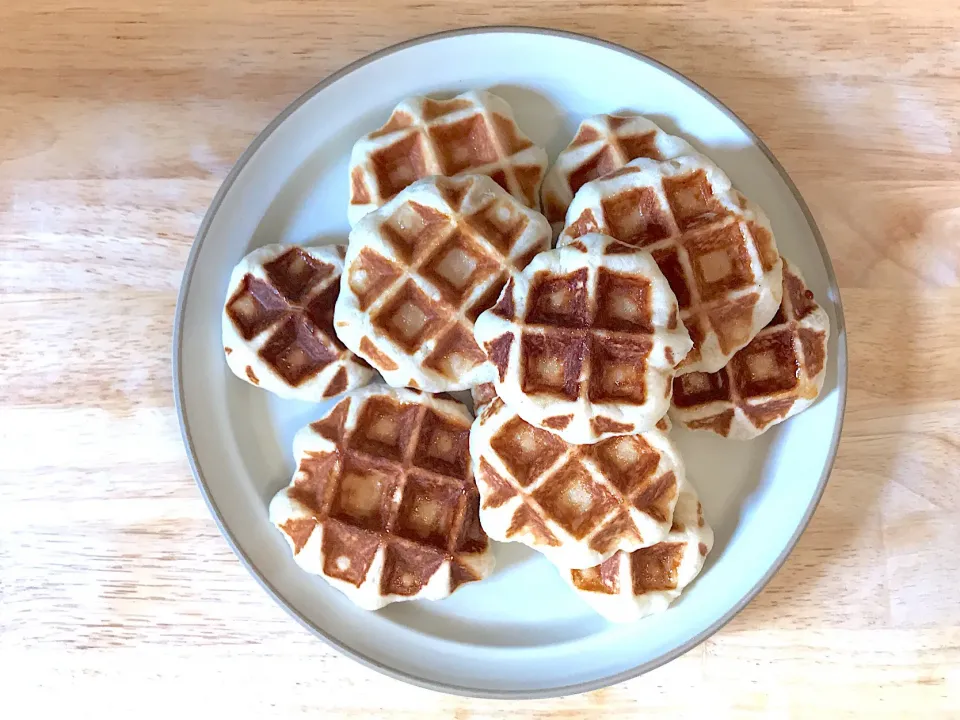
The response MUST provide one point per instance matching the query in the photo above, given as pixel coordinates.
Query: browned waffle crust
(716, 250)
(422, 268)
(778, 374)
(392, 482)
(278, 323)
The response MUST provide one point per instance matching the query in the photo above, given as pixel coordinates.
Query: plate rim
(275, 594)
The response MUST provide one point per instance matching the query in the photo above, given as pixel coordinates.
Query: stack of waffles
(664, 297)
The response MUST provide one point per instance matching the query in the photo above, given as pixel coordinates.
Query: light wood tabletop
(118, 121)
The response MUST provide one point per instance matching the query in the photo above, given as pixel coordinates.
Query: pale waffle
(277, 323)
(586, 341)
(383, 504)
(422, 268)
(779, 374)
(630, 586)
(473, 133)
(576, 504)
(603, 143)
(716, 249)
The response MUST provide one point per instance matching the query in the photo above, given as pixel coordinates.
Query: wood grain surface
(119, 120)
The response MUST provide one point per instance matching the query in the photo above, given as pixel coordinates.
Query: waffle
(630, 586)
(585, 341)
(485, 393)
(576, 504)
(716, 249)
(779, 374)
(278, 323)
(472, 133)
(422, 268)
(603, 143)
(383, 504)
(482, 395)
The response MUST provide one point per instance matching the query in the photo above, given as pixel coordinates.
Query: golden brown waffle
(586, 341)
(422, 268)
(779, 374)
(383, 504)
(603, 143)
(577, 504)
(473, 133)
(278, 323)
(715, 248)
(629, 586)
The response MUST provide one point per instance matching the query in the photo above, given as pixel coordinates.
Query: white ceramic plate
(522, 632)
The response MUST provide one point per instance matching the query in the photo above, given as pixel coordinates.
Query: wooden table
(118, 121)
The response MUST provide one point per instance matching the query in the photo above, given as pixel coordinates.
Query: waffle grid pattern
(421, 270)
(604, 143)
(576, 504)
(586, 340)
(629, 586)
(716, 250)
(385, 477)
(472, 133)
(278, 323)
(776, 376)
